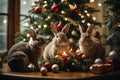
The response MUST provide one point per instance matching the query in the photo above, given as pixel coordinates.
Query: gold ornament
(71, 40)
(74, 33)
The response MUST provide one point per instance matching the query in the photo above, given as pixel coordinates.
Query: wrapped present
(101, 68)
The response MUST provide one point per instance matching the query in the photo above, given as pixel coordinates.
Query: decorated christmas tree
(61, 12)
(113, 24)
(75, 12)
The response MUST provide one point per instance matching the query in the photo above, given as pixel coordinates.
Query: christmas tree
(113, 24)
(75, 12)
(61, 12)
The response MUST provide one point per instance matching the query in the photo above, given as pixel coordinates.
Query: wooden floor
(7, 74)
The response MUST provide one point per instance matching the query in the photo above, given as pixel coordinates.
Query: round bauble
(54, 8)
(43, 70)
(98, 61)
(38, 9)
(55, 68)
(48, 65)
(60, 25)
(74, 33)
(113, 55)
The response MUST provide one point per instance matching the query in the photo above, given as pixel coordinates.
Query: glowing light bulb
(48, 17)
(45, 1)
(28, 35)
(24, 39)
(82, 16)
(91, 1)
(31, 27)
(88, 24)
(4, 21)
(86, 11)
(63, 12)
(99, 4)
(88, 14)
(79, 14)
(24, 2)
(45, 26)
(33, 4)
(66, 19)
(83, 21)
(94, 18)
(39, 26)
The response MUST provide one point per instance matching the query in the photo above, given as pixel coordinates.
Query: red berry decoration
(55, 8)
(80, 54)
(60, 25)
(48, 65)
(75, 9)
(65, 57)
(38, 9)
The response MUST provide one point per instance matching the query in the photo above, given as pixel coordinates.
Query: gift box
(101, 68)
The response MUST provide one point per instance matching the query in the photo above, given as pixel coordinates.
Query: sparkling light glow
(99, 4)
(4, 21)
(44, 25)
(88, 24)
(91, 1)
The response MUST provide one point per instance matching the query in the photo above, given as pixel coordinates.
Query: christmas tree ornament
(43, 70)
(60, 25)
(74, 33)
(75, 9)
(113, 55)
(71, 40)
(46, 6)
(65, 57)
(48, 65)
(80, 54)
(58, 57)
(37, 9)
(98, 61)
(55, 68)
(54, 8)
(83, 56)
(64, 1)
(71, 50)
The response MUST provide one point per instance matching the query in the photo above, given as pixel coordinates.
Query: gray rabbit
(59, 43)
(89, 45)
(24, 53)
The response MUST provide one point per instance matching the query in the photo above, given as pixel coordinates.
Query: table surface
(6, 72)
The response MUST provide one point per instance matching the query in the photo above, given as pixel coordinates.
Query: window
(25, 6)
(3, 25)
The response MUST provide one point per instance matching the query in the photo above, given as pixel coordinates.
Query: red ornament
(38, 9)
(75, 9)
(54, 8)
(60, 26)
(65, 57)
(48, 65)
(79, 53)
(46, 6)
(71, 51)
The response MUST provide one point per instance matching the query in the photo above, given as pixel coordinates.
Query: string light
(4, 21)
(24, 2)
(83, 21)
(31, 27)
(45, 1)
(24, 39)
(33, 4)
(82, 16)
(88, 14)
(88, 24)
(86, 11)
(66, 19)
(94, 18)
(28, 35)
(63, 12)
(99, 4)
(39, 26)
(79, 14)
(91, 1)
(45, 26)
